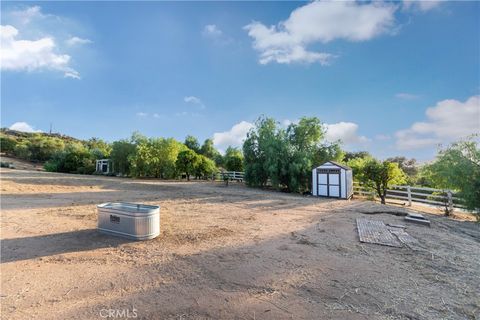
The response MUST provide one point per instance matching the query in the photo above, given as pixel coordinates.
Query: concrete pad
(418, 221)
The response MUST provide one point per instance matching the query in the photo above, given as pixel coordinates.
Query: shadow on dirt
(18, 249)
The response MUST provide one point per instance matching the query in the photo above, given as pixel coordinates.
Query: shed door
(322, 183)
(334, 185)
(328, 182)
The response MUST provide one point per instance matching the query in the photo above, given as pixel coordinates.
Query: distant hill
(21, 134)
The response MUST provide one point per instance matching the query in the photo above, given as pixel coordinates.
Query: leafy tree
(409, 166)
(381, 175)
(122, 150)
(358, 164)
(457, 167)
(233, 159)
(327, 152)
(208, 150)
(357, 154)
(205, 167)
(192, 143)
(187, 162)
(156, 157)
(285, 158)
(99, 147)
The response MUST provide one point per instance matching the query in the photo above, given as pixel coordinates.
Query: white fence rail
(438, 197)
(231, 175)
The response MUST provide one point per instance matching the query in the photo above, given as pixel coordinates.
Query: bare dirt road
(223, 253)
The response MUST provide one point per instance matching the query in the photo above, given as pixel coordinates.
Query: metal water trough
(130, 220)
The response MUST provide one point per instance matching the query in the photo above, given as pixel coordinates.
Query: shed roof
(338, 165)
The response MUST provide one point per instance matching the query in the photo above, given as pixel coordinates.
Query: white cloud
(344, 131)
(141, 114)
(447, 121)
(157, 116)
(211, 30)
(233, 137)
(27, 15)
(74, 41)
(23, 126)
(406, 96)
(30, 55)
(29, 44)
(194, 100)
(319, 22)
(420, 5)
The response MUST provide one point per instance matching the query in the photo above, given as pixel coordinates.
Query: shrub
(7, 144)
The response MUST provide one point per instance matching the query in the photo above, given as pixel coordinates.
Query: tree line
(272, 155)
(137, 156)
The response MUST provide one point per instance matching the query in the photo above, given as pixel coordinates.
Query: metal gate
(328, 181)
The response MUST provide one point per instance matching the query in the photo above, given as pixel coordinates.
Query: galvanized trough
(130, 220)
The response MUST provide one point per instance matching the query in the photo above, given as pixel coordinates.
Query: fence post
(450, 201)
(409, 190)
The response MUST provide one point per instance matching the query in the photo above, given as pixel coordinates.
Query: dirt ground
(223, 253)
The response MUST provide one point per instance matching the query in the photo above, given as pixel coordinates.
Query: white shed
(333, 180)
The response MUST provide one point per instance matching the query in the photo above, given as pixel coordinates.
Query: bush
(76, 158)
(22, 150)
(7, 144)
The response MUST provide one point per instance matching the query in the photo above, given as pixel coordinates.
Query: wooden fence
(437, 197)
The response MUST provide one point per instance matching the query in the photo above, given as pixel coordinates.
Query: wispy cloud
(194, 100)
(211, 30)
(74, 41)
(447, 121)
(141, 114)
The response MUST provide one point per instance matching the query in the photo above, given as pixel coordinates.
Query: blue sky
(393, 78)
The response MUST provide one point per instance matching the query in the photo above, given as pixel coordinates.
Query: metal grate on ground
(375, 231)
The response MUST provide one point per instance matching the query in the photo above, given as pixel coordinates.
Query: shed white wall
(314, 182)
(343, 185)
(349, 184)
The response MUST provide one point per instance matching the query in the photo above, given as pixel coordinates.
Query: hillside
(20, 134)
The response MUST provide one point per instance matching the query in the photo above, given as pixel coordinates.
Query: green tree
(121, 152)
(457, 167)
(192, 143)
(156, 157)
(205, 167)
(208, 149)
(409, 166)
(356, 154)
(99, 148)
(285, 158)
(380, 175)
(187, 162)
(233, 159)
